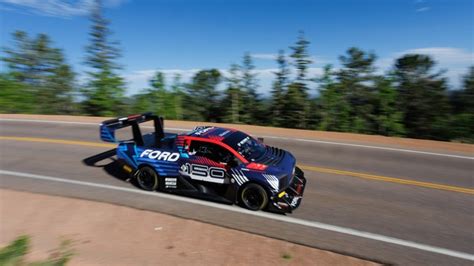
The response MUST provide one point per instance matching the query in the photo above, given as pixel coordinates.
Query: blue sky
(182, 36)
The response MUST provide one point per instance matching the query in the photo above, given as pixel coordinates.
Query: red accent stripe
(206, 161)
(227, 147)
(218, 138)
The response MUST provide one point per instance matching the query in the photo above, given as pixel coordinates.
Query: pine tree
(158, 95)
(279, 89)
(232, 102)
(105, 89)
(251, 99)
(356, 79)
(22, 59)
(42, 71)
(462, 102)
(177, 97)
(302, 60)
(160, 100)
(467, 93)
(387, 116)
(15, 97)
(201, 99)
(295, 113)
(422, 97)
(335, 109)
(142, 103)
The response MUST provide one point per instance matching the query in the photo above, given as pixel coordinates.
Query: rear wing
(108, 127)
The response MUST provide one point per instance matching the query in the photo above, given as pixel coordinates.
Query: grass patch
(286, 256)
(14, 253)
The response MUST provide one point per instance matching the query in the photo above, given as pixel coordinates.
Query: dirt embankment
(406, 143)
(105, 234)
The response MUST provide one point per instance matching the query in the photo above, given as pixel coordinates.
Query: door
(208, 162)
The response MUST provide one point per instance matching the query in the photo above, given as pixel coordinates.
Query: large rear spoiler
(108, 127)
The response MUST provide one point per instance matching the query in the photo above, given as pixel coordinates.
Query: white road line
(372, 147)
(48, 121)
(270, 137)
(75, 123)
(313, 224)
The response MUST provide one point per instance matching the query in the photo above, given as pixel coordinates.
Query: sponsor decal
(224, 133)
(160, 155)
(294, 201)
(170, 182)
(242, 142)
(202, 131)
(203, 172)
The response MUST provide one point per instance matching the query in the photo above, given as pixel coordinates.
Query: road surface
(400, 206)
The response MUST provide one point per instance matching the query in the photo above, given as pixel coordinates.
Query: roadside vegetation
(14, 254)
(412, 99)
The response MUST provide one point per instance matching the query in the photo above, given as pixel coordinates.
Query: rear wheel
(147, 178)
(254, 197)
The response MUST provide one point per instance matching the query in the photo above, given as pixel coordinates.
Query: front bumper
(290, 199)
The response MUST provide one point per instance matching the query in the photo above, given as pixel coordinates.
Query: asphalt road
(433, 217)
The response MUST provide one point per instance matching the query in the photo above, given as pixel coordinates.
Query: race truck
(214, 163)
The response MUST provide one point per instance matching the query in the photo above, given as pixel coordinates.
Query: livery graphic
(215, 163)
(160, 155)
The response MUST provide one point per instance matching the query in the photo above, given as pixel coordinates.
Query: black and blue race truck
(211, 162)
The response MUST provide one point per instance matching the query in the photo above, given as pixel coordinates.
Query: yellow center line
(60, 141)
(304, 167)
(388, 179)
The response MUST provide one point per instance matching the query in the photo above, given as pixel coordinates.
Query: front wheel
(147, 178)
(254, 197)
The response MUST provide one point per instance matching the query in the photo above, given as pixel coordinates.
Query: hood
(280, 163)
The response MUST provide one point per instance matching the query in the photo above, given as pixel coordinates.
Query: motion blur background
(395, 68)
(402, 68)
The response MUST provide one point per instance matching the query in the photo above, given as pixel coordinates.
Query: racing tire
(253, 197)
(147, 178)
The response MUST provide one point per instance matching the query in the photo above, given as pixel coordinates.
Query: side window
(213, 152)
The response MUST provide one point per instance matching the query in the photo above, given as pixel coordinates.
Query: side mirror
(260, 139)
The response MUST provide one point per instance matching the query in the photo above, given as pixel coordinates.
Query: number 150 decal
(203, 172)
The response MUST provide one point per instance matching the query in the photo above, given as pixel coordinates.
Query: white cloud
(139, 79)
(456, 61)
(265, 56)
(58, 8)
(147, 74)
(114, 3)
(423, 9)
(445, 55)
(273, 57)
(421, 6)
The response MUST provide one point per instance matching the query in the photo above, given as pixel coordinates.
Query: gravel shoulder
(106, 234)
(404, 143)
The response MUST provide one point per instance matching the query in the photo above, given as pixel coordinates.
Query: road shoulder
(339, 137)
(108, 234)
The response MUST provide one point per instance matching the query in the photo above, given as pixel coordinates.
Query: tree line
(412, 99)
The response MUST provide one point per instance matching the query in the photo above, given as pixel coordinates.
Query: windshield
(247, 146)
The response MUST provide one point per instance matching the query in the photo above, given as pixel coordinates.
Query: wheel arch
(141, 165)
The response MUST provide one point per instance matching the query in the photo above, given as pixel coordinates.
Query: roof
(210, 132)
